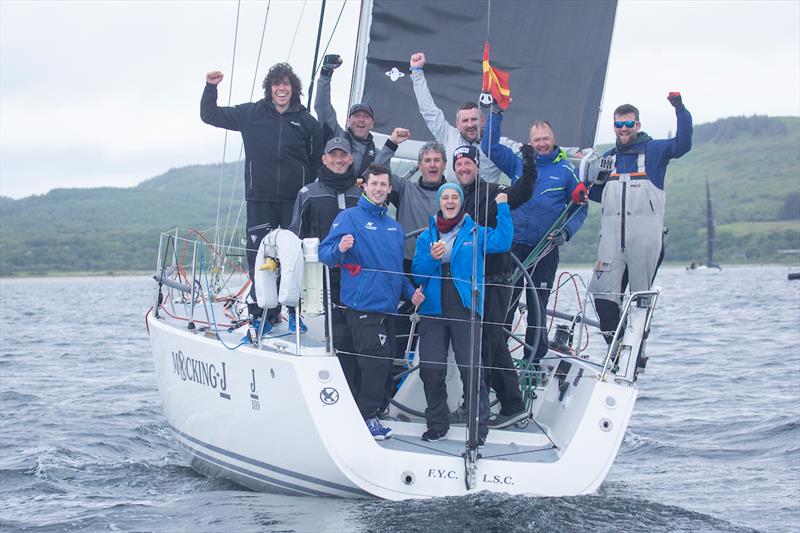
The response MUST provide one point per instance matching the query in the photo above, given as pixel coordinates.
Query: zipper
(280, 138)
(250, 181)
(622, 213)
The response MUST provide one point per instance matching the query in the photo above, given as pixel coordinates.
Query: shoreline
(561, 267)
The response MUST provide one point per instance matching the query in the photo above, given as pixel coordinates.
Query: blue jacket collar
(553, 157)
(373, 209)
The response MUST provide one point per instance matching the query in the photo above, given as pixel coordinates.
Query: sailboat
(276, 413)
(710, 267)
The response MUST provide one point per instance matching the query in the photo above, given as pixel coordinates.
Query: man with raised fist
(632, 221)
(360, 120)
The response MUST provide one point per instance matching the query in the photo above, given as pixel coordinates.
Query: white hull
(268, 420)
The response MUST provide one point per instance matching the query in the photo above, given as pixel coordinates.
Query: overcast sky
(107, 93)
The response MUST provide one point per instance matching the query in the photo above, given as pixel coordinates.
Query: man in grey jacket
(416, 200)
(466, 132)
(360, 120)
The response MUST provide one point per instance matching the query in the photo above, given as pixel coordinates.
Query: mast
(710, 233)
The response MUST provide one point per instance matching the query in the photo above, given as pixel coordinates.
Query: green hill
(751, 163)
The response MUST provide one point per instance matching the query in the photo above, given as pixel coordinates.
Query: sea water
(713, 445)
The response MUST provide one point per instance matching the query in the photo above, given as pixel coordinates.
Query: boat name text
(197, 371)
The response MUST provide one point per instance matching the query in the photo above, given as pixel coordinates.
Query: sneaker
(481, 441)
(293, 324)
(459, 416)
(378, 430)
(432, 435)
(502, 421)
(255, 323)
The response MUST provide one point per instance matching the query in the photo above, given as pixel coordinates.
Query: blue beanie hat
(449, 185)
(466, 151)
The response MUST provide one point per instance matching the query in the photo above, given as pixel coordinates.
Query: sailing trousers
(373, 337)
(263, 217)
(499, 371)
(436, 334)
(543, 274)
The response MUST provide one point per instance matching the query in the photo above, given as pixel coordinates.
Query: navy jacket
(657, 153)
(282, 150)
(556, 179)
(372, 270)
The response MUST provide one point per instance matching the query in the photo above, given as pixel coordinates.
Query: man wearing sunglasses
(632, 221)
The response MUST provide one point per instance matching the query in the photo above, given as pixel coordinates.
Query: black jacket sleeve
(314, 148)
(230, 118)
(521, 191)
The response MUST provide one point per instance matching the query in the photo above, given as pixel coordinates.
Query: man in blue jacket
(282, 151)
(368, 245)
(556, 184)
(632, 223)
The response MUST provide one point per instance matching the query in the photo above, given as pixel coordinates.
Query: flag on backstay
(495, 81)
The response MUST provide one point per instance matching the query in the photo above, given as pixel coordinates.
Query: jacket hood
(640, 139)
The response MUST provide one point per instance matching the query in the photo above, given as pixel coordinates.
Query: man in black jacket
(360, 120)
(479, 203)
(282, 146)
(315, 209)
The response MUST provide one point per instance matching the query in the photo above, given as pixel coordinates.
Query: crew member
(315, 209)
(282, 147)
(416, 200)
(368, 244)
(360, 120)
(479, 204)
(555, 188)
(467, 128)
(632, 222)
(443, 265)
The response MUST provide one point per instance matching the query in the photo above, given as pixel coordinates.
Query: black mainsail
(556, 54)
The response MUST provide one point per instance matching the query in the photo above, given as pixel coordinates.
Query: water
(714, 444)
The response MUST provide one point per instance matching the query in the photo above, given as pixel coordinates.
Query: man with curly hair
(282, 146)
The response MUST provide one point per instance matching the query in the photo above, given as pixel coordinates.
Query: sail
(556, 53)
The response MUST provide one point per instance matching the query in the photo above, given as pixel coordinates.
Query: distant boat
(794, 275)
(710, 267)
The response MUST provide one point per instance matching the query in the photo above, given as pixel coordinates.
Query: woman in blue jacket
(443, 267)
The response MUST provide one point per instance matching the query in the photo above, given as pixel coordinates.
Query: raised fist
(214, 77)
(528, 153)
(675, 99)
(330, 63)
(399, 135)
(417, 60)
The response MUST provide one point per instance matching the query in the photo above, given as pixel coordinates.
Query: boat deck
(528, 445)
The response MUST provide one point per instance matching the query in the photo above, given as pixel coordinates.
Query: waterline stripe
(266, 466)
(249, 473)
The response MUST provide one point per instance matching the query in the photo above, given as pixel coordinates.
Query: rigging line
(299, 20)
(225, 142)
(330, 38)
(316, 53)
(241, 147)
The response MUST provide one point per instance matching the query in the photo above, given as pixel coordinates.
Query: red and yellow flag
(495, 81)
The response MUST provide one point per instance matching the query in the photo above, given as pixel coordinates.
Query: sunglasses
(629, 123)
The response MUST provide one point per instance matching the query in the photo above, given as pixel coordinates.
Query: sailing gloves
(579, 193)
(559, 237)
(675, 99)
(330, 63)
(528, 162)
